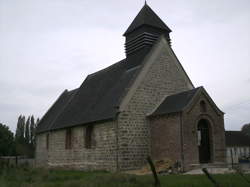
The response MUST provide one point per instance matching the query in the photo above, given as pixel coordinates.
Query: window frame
(88, 136)
(68, 139)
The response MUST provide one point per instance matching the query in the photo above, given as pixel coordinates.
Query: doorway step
(213, 168)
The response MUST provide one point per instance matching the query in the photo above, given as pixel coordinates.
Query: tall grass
(25, 177)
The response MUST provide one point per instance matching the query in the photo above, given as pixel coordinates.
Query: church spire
(142, 33)
(148, 17)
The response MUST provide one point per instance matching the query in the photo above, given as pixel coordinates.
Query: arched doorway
(204, 141)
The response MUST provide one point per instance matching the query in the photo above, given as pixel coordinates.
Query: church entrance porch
(204, 141)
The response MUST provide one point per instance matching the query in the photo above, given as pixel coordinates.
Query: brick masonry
(166, 137)
(166, 134)
(190, 120)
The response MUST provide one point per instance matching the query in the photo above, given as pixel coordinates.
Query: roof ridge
(186, 91)
(71, 91)
(106, 68)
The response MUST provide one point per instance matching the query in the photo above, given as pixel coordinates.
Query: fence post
(232, 159)
(157, 182)
(16, 161)
(8, 162)
(210, 177)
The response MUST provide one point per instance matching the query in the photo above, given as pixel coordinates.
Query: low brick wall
(16, 161)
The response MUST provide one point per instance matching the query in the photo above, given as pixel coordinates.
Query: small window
(68, 139)
(88, 137)
(47, 141)
(203, 107)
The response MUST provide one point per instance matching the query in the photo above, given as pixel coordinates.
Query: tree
(246, 129)
(27, 131)
(6, 141)
(22, 129)
(32, 131)
(25, 136)
(18, 134)
(37, 121)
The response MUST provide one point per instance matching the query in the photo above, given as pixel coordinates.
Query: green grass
(24, 177)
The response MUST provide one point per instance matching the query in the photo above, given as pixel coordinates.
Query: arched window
(203, 107)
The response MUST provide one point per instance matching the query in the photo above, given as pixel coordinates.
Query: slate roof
(236, 139)
(97, 99)
(99, 96)
(175, 103)
(147, 16)
(48, 119)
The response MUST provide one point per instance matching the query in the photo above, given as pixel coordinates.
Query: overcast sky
(47, 46)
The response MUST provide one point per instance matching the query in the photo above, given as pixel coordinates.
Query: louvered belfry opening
(142, 40)
(142, 34)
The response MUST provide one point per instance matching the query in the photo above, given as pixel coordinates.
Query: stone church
(144, 105)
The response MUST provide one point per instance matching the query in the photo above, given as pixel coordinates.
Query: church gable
(185, 101)
(203, 101)
(161, 72)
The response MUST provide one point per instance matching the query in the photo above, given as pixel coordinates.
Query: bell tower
(142, 34)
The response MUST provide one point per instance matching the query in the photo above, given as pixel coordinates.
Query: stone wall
(101, 156)
(165, 137)
(190, 120)
(163, 76)
(41, 151)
